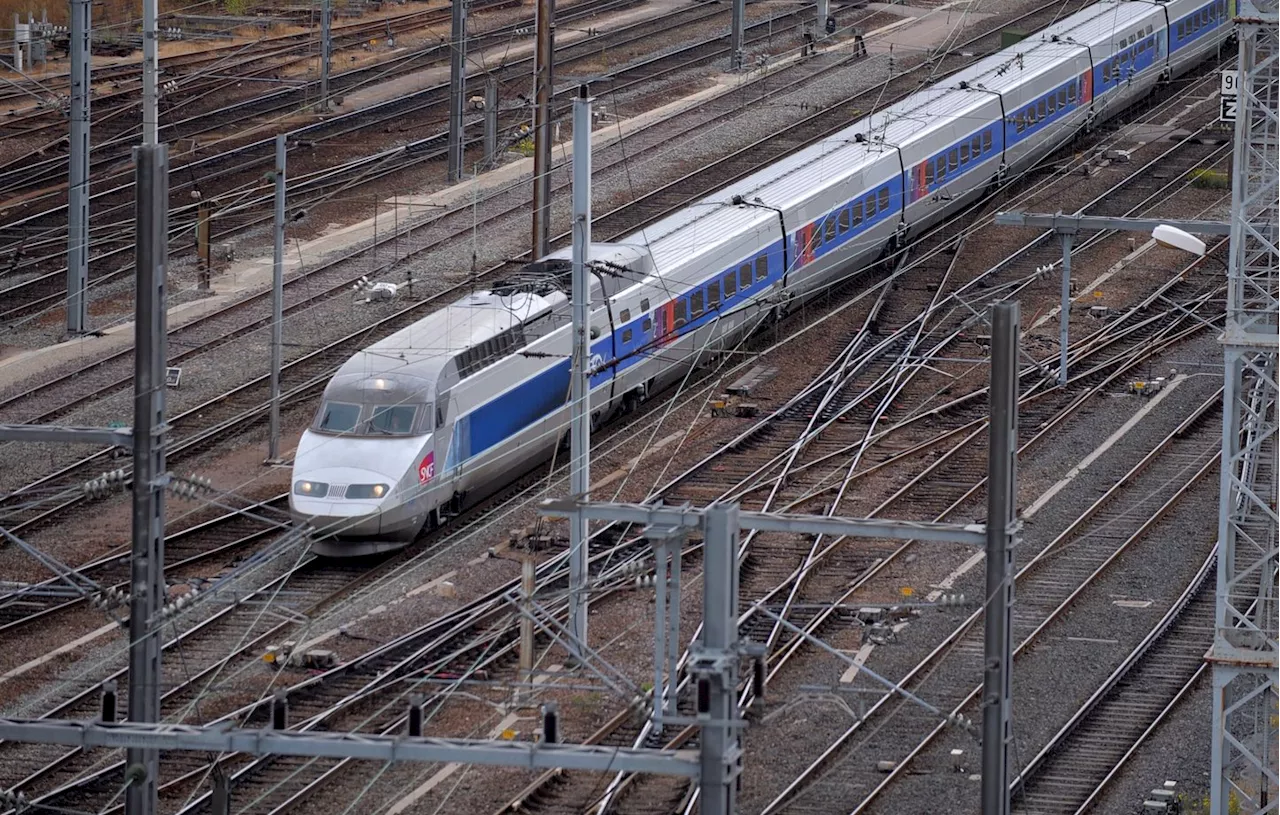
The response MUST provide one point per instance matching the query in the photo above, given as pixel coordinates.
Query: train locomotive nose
(346, 502)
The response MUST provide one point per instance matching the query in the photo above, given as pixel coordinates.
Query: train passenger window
(646, 325)
(713, 295)
(1040, 111)
(662, 322)
(975, 146)
(953, 159)
(1052, 103)
(626, 335)
(744, 276)
(644, 304)
(762, 267)
(338, 417)
(682, 312)
(624, 316)
(940, 174)
(928, 180)
(1071, 92)
(1149, 29)
(1106, 71)
(1142, 48)
(730, 285)
(1062, 98)
(695, 304)
(857, 205)
(392, 421)
(831, 228)
(870, 204)
(1019, 124)
(964, 153)
(884, 200)
(815, 237)
(844, 220)
(986, 140)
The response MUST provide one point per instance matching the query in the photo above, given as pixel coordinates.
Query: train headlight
(367, 490)
(311, 489)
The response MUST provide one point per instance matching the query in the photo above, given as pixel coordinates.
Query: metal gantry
(1244, 652)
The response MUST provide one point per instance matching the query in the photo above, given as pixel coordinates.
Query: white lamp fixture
(1174, 238)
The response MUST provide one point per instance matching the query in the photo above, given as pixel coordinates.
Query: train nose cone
(346, 501)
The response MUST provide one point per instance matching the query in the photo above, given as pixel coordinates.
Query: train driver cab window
(695, 304)
(986, 140)
(831, 228)
(744, 276)
(730, 285)
(857, 205)
(338, 417)
(844, 220)
(395, 420)
(884, 200)
(762, 267)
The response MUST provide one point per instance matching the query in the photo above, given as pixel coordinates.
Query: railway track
(1070, 773)
(240, 205)
(302, 377)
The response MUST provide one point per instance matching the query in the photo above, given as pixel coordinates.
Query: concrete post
(150, 73)
(737, 35)
(490, 123)
(580, 390)
(78, 177)
(149, 475)
(277, 303)
(544, 79)
(457, 87)
(997, 691)
(326, 50)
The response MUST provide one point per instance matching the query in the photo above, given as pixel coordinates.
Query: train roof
(1100, 23)
(421, 350)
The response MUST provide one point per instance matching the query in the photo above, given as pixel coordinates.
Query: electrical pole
(717, 688)
(78, 177)
(326, 50)
(457, 87)
(1246, 644)
(580, 387)
(277, 304)
(1064, 311)
(737, 35)
(490, 122)
(997, 689)
(544, 78)
(149, 475)
(150, 73)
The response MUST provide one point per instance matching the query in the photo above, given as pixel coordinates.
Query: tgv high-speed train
(458, 404)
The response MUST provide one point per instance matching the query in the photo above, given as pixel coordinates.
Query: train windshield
(339, 417)
(394, 420)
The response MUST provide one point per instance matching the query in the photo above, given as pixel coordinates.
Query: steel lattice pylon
(1244, 653)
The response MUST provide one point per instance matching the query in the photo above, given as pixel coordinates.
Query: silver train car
(431, 419)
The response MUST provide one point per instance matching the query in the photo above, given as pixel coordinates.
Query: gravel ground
(476, 575)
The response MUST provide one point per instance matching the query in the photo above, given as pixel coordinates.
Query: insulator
(550, 723)
(109, 700)
(704, 697)
(280, 710)
(758, 675)
(415, 715)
